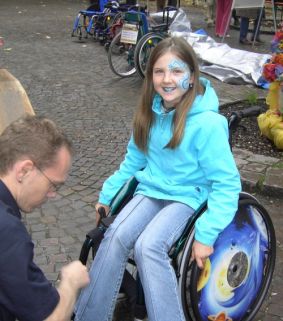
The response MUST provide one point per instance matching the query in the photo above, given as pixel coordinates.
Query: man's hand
(200, 253)
(75, 274)
(98, 216)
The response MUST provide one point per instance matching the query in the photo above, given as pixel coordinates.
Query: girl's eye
(177, 71)
(158, 71)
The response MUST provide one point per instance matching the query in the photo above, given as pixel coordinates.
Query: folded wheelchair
(236, 277)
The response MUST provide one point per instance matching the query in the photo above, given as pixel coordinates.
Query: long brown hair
(144, 116)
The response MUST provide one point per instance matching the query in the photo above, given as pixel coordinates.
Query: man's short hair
(34, 137)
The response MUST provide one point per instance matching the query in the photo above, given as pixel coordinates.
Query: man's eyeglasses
(54, 187)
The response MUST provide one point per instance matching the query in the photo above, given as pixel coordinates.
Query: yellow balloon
(273, 96)
(267, 121)
(277, 133)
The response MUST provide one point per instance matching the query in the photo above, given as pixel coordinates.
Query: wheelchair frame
(248, 272)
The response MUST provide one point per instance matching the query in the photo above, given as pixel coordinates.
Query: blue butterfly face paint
(178, 66)
(171, 79)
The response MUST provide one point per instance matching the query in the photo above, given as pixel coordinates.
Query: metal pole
(274, 16)
(258, 24)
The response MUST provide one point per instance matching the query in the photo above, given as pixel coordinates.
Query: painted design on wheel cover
(234, 272)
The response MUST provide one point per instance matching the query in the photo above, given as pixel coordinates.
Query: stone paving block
(89, 208)
(41, 260)
(273, 183)
(74, 197)
(241, 153)
(38, 250)
(250, 179)
(67, 240)
(38, 227)
(82, 220)
(56, 233)
(48, 268)
(255, 167)
(240, 162)
(58, 266)
(48, 219)
(276, 298)
(52, 249)
(66, 192)
(53, 277)
(79, 187)
(38, 236)
(262, 159)
(49, 241)
(69, 226)
(275, 309)
(88, 199)
(58, 258)
(33, 215)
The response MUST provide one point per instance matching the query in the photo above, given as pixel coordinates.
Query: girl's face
(171, 78)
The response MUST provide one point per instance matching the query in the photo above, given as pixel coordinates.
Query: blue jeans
(244, 28)
(150, 227)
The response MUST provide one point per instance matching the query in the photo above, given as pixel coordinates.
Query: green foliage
(278, 165)
(260, 182)
(252, 98)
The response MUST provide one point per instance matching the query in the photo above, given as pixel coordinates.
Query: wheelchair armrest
(122, 197)
(92, 241)
(159, 28)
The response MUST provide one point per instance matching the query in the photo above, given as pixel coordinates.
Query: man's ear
(23, 169)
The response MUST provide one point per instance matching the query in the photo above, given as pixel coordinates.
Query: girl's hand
(200, 253)
(98, 216)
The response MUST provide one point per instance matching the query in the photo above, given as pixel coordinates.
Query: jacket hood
(206, 102)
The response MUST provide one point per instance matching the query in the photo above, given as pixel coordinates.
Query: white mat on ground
(223, 62)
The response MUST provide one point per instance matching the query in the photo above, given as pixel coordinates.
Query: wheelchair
(135, 27)
(101, 19)
(83, 23)
(235, 278)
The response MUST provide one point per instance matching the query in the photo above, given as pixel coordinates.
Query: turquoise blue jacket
(200, 168)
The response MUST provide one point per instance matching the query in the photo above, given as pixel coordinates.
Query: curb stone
(260, 173)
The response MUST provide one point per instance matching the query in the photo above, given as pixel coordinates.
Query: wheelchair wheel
(237, 276)
(121, 57)
(144, 49)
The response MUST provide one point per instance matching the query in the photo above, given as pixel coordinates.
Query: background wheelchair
(236, 277)
(149, 41)
(99, 17)
(83, 23)
(135, 26)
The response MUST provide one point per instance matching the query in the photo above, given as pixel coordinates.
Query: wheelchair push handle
(251, 111)
(101, 211)
(236, 116)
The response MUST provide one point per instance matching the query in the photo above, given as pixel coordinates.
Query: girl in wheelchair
(180, 155)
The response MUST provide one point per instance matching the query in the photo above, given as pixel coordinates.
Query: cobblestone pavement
(71, 82)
